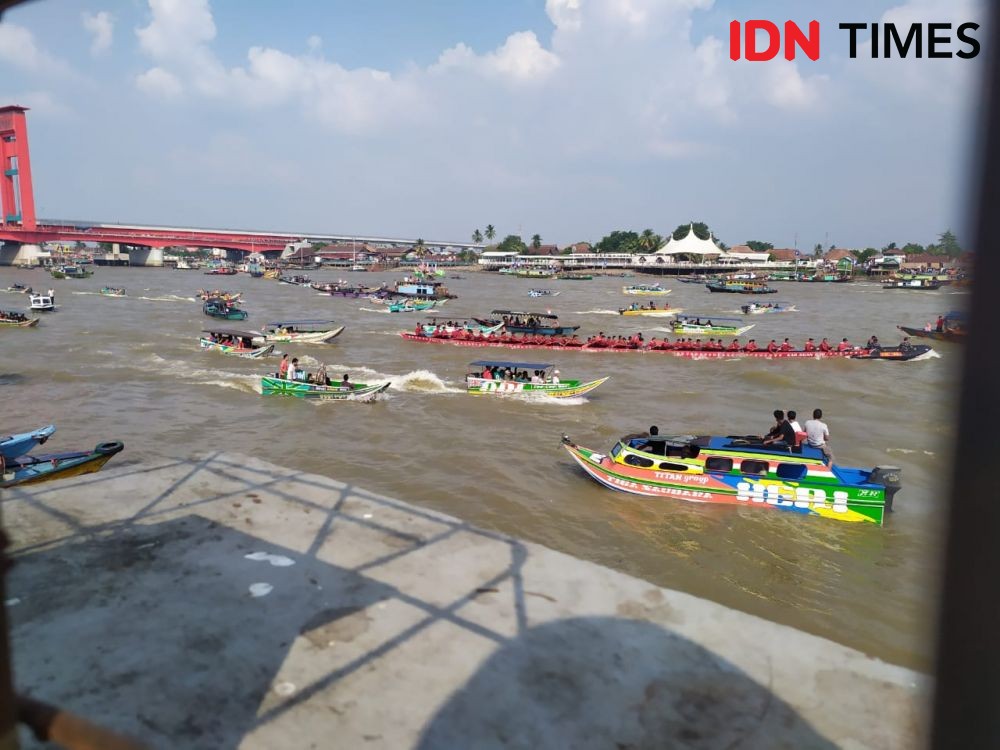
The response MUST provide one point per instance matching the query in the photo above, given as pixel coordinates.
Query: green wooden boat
(271, 386)
(71, 272)
(476, 384)
(222, 310)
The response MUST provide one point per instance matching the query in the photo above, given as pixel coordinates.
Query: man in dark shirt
(782, 435)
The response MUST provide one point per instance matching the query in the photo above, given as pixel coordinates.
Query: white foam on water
(374, 310)
(542, 399)
(420, 381)
(258, 590)
(278, 561)
(168, 298)
(596, 312)
(900, 450)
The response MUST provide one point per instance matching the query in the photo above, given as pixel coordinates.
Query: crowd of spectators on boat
(13, 317)
(290, 370)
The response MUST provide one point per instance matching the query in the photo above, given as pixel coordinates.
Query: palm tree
(477, 237)
(536, 241)
(648, 240)
(419, 248)
(490, 232)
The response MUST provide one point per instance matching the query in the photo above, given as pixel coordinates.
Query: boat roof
(301, 322)
(453, 320)
(521, 312)
(514, 365)
(231, 332)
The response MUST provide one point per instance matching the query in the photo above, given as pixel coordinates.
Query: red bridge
(19, 225)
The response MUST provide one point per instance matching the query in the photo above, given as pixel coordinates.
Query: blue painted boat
(36, 469)
(13, 446)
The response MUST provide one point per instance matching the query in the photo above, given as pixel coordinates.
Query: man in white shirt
(794, 422)
(293, 369)
(555, 376)
(818, 435)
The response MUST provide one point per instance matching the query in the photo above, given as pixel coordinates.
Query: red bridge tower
(17, 200)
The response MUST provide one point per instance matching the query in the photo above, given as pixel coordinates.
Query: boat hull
(650, 313)
(859, 505)
(754, 310)
(37, 469)
(934, 335)
(257, 353)
(29, 323)
(741, 289)
(633, 292)
(311, 337)
(714, 330)
(280, 387)
(567, 389)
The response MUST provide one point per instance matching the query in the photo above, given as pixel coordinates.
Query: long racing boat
(741, 471)
(490, 378)
(677, 349)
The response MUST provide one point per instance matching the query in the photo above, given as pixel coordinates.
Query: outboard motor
(889, 477)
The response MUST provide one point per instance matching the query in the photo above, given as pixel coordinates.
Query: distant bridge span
(19, 225)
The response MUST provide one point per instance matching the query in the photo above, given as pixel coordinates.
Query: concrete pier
(223, 602)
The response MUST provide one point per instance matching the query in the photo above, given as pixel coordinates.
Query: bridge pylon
(17, 198)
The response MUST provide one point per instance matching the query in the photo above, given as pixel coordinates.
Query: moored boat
(729, 286)
(71, 272)
(760, 308)
(113, 291)
(272, 386)
(302, 331)
(224, 271)
(534, 273)
(422, 289)
(571, 276)
(924, 284)
(20, 443)
(37, 469)
(223, 310)
(542, 293)
(690, 323)
(646, 290)
(235, 343)
(16, 319)
(502, 378)
(741, 471)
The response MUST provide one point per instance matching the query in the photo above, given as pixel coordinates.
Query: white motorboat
(43, 302)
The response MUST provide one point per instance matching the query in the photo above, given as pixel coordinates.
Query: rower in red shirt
(734, 346)
(785, 346)
(810, 346)
(751, 346)
(843, 346)
(773, 346)
(824, 346)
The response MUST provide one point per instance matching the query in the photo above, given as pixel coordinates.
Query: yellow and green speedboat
(503, 378)
(741, 471)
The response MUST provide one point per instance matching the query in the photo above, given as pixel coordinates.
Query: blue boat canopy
(513, 365)
(230, 332)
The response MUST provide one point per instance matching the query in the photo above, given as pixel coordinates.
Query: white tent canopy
(691, 245)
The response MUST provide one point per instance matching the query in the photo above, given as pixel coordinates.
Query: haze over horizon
(566, 118)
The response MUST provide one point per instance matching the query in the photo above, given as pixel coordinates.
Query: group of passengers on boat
(230, 340)
(517, 376)
(12, 316)
(290, 370)
(650, 306)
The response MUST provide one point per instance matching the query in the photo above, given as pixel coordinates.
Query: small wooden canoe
(37, 469)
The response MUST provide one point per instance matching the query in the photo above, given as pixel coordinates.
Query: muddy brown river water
(104, 368)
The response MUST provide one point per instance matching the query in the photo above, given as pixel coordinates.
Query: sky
(565, 118)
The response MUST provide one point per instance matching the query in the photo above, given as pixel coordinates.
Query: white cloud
(178, 28)
(18, 48)
(101, 25)
(157, 82)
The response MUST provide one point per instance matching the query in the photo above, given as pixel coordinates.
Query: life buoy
(110, 448)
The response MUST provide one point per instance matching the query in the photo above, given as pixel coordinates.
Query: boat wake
(907, 451)
(542, 399)
(246, 382)
(596, 312)
(167, 298)
(375, 310)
